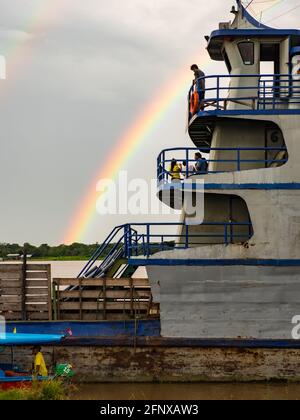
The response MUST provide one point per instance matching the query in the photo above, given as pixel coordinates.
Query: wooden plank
(65, 316)
(93, 306)
(36, 275)
(50, 311)
(43, 307)
(10, 268)
(131, 297)
(24, 265)
(110, 294)
(10, 307)
(37, 283)
(38, 316)
(10, 276)
(10, 283)
(37, 267)
(36, 290)
(75, 282)
(99, 282)
(38, 298)
(10, 299)
(10, 291)
(12, 316)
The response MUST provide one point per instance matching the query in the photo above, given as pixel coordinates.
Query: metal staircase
(111, 258)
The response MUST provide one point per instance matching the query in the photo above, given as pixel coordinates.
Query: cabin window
(227, 61)
(247, 52)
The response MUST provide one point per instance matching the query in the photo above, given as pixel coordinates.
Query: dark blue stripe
(254, 186)
(221, 33)
(180, 342)
(214, 262)
(203, 114)
(295, 51)
(245, 186)
(88, 329)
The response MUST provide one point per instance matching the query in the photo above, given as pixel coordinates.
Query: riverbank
(67, 259)
(48, 390)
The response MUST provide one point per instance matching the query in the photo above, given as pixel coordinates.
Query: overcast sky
(78, 73)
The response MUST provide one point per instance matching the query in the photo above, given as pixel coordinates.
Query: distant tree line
(75, 251)
(47, 251)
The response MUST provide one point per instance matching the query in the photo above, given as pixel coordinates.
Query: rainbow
(145, 123)
(127, 145)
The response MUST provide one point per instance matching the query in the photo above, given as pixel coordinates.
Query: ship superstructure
(236, 274)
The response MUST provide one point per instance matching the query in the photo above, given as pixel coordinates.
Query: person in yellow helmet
(39, 365)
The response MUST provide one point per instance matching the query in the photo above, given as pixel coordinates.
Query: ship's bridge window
(247, 52)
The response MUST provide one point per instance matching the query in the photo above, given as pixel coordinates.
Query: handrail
(268, 91)
(100, 250)
(167, 155)
(136, 243)
(157, 241)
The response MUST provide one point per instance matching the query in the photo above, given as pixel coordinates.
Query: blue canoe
(29, 339)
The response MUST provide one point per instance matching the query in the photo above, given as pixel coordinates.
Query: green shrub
(47, 390)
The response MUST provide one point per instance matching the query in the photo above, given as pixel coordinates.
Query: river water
(67, 269)
(200, 391)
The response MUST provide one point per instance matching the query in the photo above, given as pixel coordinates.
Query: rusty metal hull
(157, 363)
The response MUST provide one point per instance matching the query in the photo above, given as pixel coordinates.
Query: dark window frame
(242, 53)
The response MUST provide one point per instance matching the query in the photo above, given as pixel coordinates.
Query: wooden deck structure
(102, 299)
(25, 292)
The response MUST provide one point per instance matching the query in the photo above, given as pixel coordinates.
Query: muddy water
(200, 392)
(67, 269)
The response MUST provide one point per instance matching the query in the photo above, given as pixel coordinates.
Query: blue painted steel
(219, 113)
(254, 186)
(247, 186)
(116, 237)
(20, 339)
(269, 92)
(21, 379)
(295, 51)
(251, 19)
(141, 328)
(147, 335)
(166, 156)
(147, 242)
(253, 33)
(214, 262)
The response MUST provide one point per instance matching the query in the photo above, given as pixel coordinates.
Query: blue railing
(263, 91)
(145, 239)
(233, 159)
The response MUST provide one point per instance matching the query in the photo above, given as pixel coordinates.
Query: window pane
(247, 52)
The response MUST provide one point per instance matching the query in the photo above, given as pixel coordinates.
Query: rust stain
(163, 364)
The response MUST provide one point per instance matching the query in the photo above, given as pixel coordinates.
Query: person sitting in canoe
(39, 365)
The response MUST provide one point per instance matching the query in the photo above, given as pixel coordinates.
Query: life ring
(194, 102)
